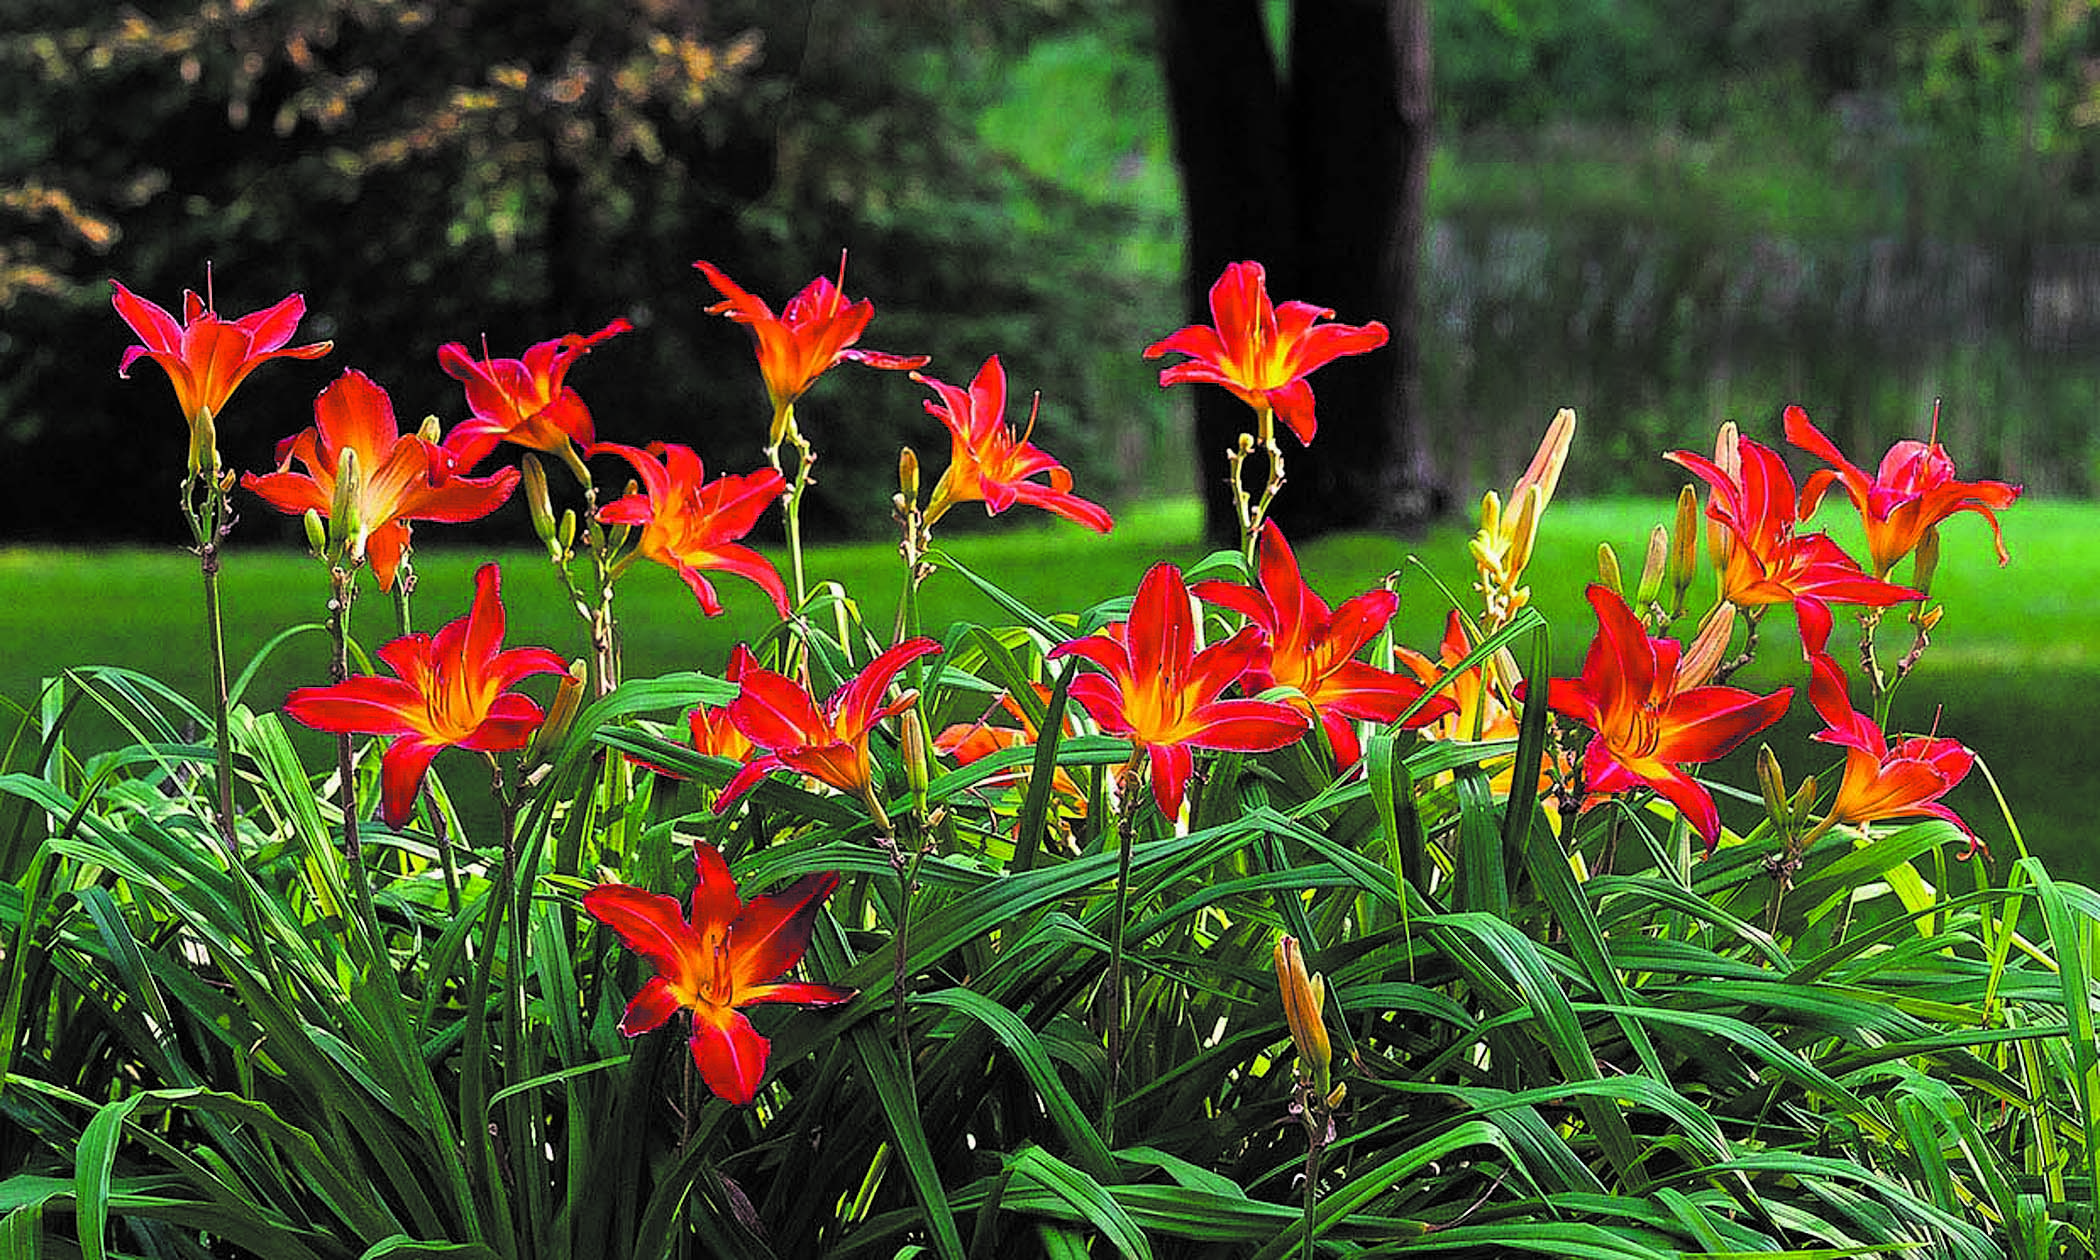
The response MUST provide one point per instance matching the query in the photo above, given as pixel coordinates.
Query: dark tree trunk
(1319, 175)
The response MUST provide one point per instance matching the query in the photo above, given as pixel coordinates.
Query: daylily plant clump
(1114, 892)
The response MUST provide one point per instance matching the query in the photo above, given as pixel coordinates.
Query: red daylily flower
(989, 465)
(1162, 694)
(1912, 493)
(728, 955)
(1313, 649)
(453, 691)
(691, 524)
(399, 479)
(1648, 723)
(1261, 352)
(206, 358)
(526, 400)
(816, 330)
(1767, 562)
(829, 745)
(1905, 779)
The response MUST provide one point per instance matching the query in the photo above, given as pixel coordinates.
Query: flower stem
(1112, 994)
(208, 526)
(343, 589)
(805, 457)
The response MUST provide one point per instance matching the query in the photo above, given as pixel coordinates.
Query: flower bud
(912, 737)
(1703, 656)
(538, 502)
(560, 714)
(1804, 800)
(1653, 566)
(431, 430)
(1771, 783)
(1303, 999)
(908, 475)
(345, 526)
(1608, 570)
(565, 533)
(316, 532)
(1926, 560)
(1684, 546)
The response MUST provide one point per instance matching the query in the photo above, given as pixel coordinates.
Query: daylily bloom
(1766, 561)
(1648, 723)
(398, 479)
(974, 741)
(829, 745)
(1905, 779)
(690, 523)
(817, 329)
(989, 465)
(1912, 493)
(453, 690)
(729, 954)
(527, 400)
(206, 357)
(1478, 713)
(1313, 649)
(1262, 352)
(1162, 694)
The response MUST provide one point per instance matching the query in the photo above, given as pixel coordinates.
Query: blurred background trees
(1664, 213)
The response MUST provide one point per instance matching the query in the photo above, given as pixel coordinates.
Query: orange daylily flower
(989, 465)
(1766, 561)
(729, 954)
(526, 400)
(1308, 647)
(974, 741)
(206, 358)
(1162, 694)
(1262, 352)
(1648, 724)
(1913, 491)
(399, 479)
(816, 330)
(829, 745)
(453, 690)
(1478, 713)
(1905, 779)
(690, 523)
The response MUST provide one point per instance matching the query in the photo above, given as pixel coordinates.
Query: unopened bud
(560, 714)
(345, 527)
(1771, 783)
(1926, 560)
(908, 475)
(1930, 618)
(912, 735)
(316, 532)
(1684, 546)
(1303, 998)
(1703, 656)
(565, 533)
(1804, 800)
(538, 502)
(431, 430)
(1246, 444)
(1653, 566)
(1608, 570)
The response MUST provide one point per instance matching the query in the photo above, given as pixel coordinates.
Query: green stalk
(1112, 998)
(343, 583)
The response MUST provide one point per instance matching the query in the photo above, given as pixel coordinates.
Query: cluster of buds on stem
(1502, 548)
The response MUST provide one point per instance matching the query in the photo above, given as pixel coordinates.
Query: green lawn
(2012, 670)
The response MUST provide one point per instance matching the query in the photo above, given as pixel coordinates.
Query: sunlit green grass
(2012, 670)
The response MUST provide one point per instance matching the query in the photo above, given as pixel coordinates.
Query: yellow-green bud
(565, 533)
(908, 475)
(316, 532)
(912, 736)
(1608, 570)
(204, 443)
(431, 430)
(345, 526)
(1772, 785)
(1926, 560)
(560, 714)
(538, 503)
(1684, 545)
(1653, 567)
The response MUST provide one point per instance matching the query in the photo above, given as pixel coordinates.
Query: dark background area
(1663, 213)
